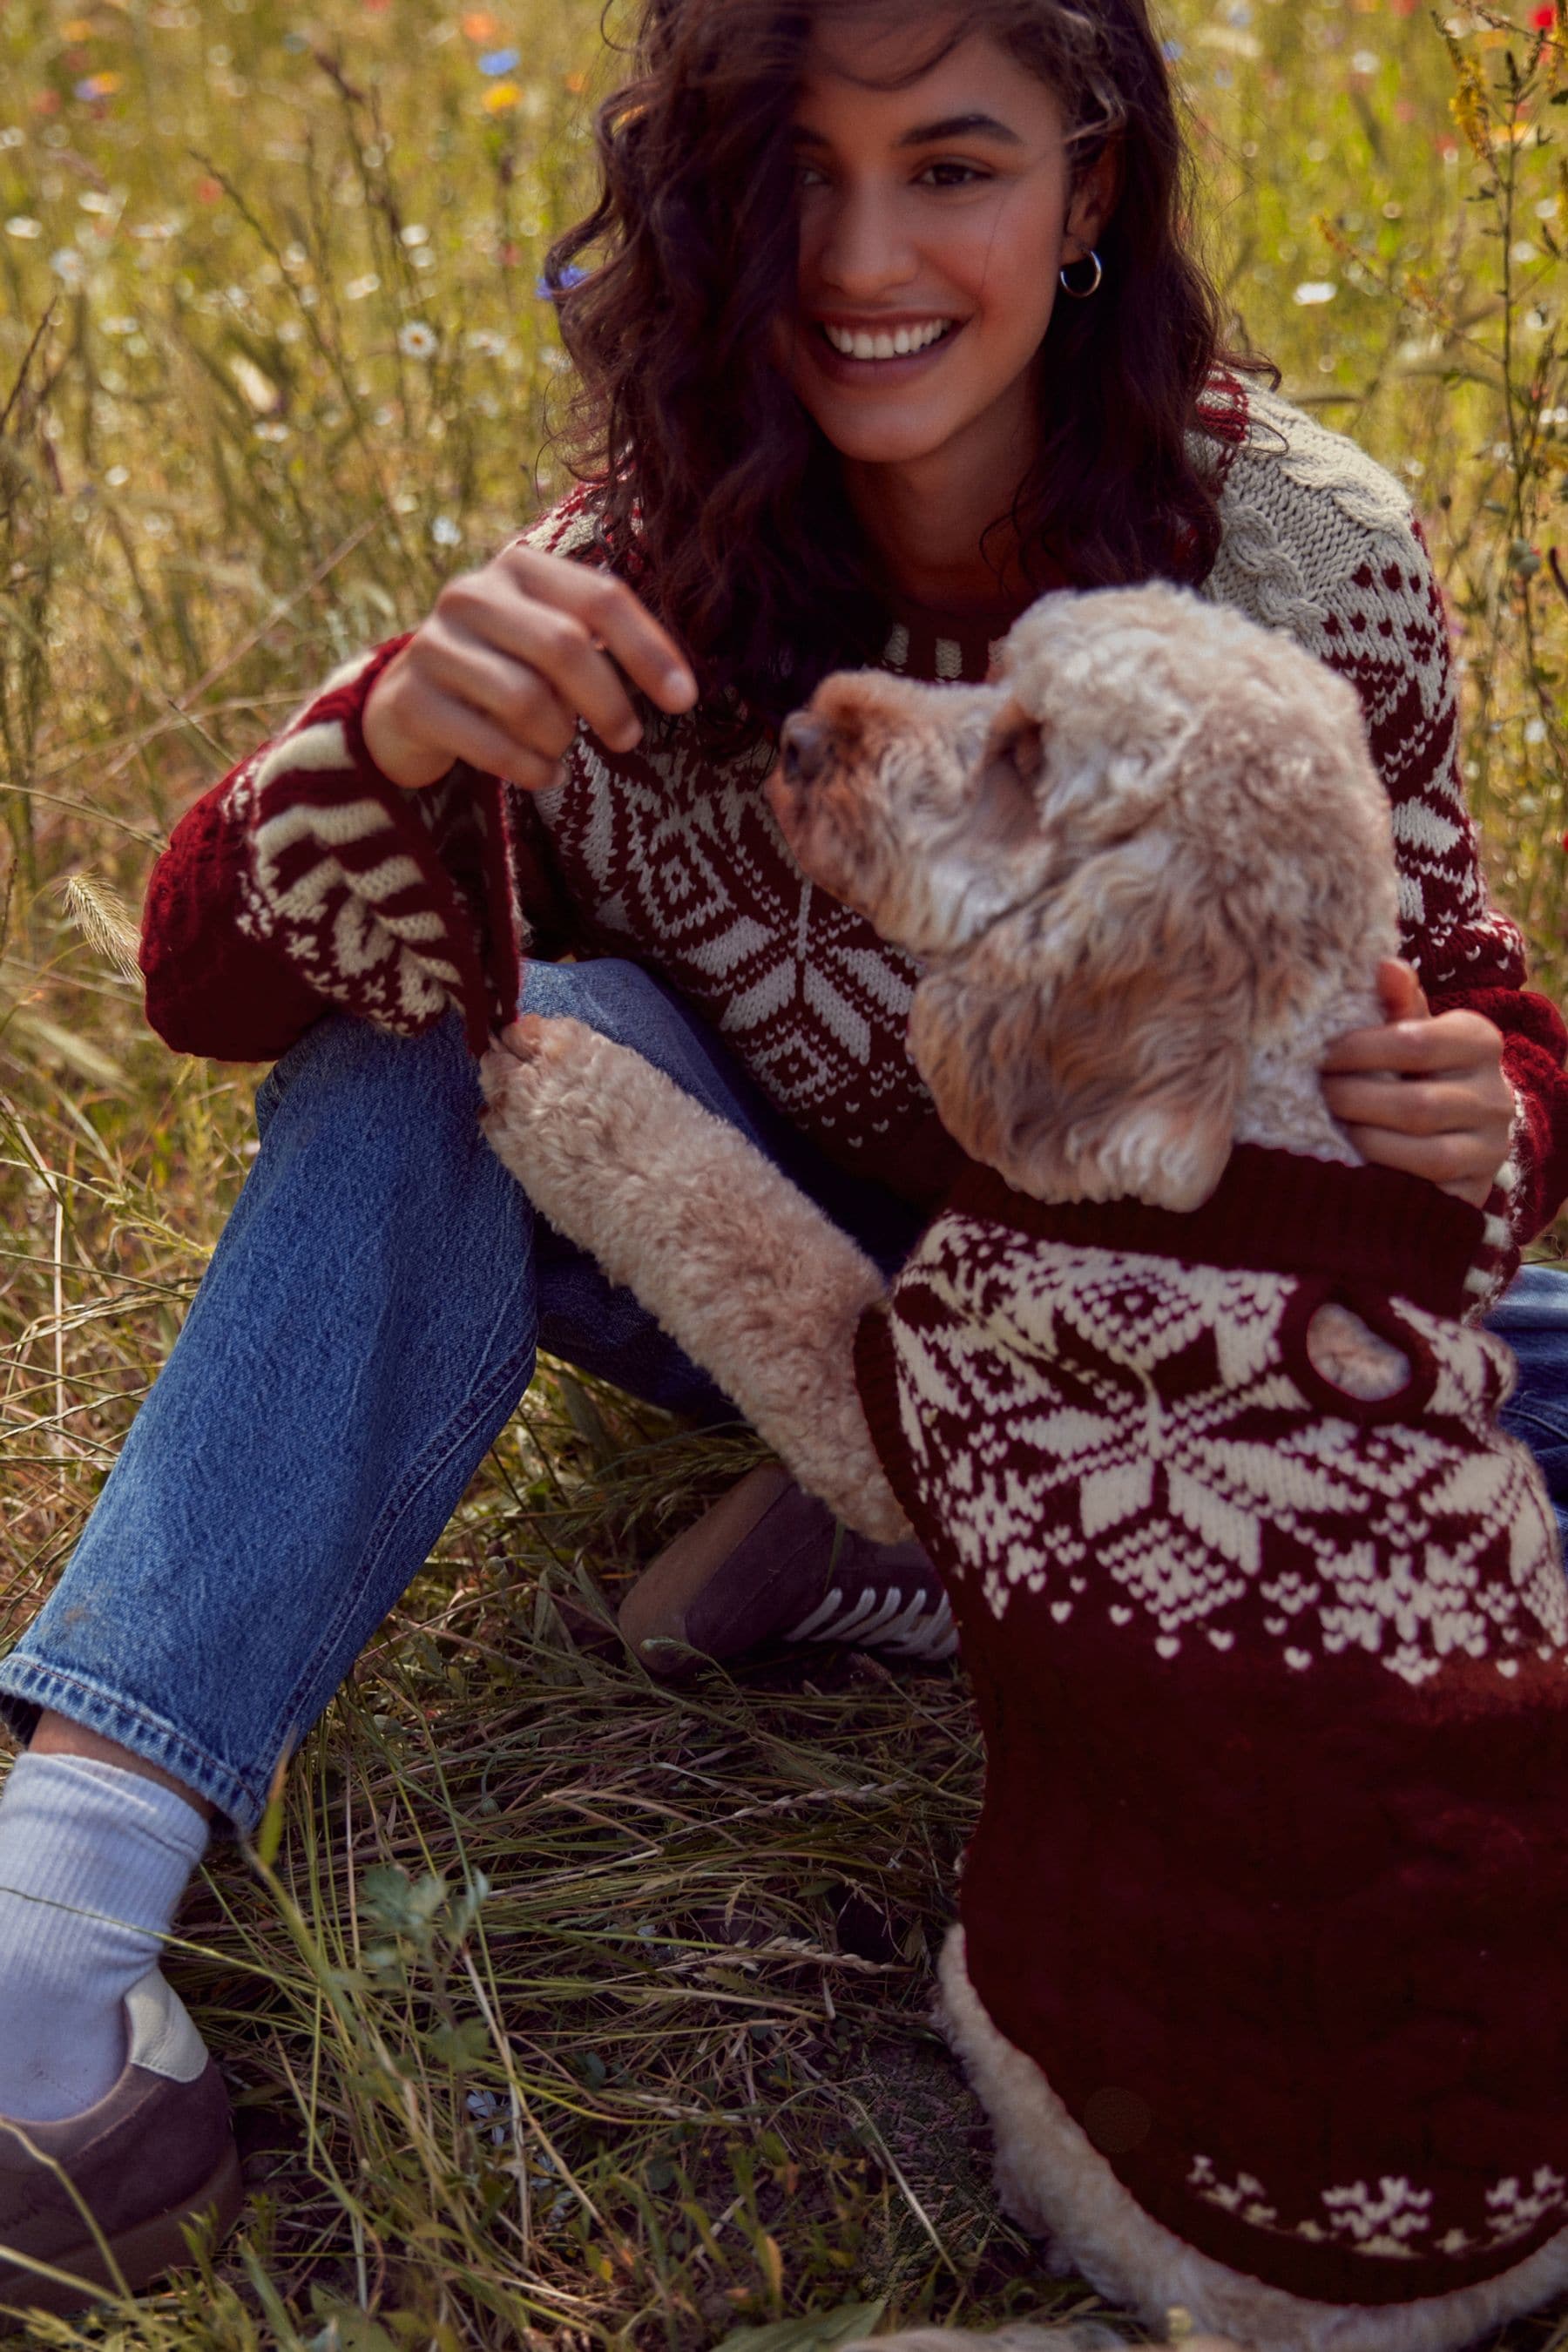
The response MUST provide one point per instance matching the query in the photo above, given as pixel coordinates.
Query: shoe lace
(922, 1627)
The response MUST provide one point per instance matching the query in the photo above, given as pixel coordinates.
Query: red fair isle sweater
(1268, 1878)
(306, 881)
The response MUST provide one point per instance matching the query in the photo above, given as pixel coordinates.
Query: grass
(560, 2007)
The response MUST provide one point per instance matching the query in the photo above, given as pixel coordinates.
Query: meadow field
(559, 2007)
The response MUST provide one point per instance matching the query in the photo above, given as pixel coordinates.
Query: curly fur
(1151, 873)
(741, 1269)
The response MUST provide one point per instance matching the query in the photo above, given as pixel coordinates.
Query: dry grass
(570, 2008)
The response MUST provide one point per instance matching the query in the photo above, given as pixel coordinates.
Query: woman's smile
(857, 351)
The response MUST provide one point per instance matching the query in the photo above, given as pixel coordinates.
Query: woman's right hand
(509, 661)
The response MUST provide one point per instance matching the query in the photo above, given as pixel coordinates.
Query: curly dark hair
(713, 489)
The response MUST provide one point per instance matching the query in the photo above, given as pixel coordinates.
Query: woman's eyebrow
(929, 134)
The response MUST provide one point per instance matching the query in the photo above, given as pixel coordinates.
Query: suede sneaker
(768, 1563)
(156, 2151)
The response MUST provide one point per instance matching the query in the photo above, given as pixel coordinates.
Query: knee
(613, 996)
(346, 1071)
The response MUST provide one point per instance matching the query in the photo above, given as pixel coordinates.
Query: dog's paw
(523, 1056)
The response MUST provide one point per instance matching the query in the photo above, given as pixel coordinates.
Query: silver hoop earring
(1082, 293)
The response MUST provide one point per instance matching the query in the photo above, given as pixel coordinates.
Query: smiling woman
(797, 186)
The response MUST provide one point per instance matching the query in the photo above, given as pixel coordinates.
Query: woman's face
(933, 219)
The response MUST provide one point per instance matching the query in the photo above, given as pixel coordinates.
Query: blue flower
(1170, 50)
(571, 276)
(499, 61)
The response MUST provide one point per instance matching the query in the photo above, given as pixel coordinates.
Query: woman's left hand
(1427, 1094)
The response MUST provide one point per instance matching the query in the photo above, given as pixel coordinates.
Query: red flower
(1544, 19)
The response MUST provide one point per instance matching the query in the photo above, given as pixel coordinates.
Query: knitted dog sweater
(1270, 1875)
(306, 881)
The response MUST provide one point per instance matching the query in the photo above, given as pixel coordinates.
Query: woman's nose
(863, 251)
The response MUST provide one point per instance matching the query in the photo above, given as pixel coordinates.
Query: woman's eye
(951, 175)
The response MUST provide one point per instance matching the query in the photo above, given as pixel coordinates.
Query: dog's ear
(1006, 776)
(1095, 1042)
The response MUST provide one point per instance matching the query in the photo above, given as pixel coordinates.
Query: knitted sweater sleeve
(1321, 540)
(306, 881)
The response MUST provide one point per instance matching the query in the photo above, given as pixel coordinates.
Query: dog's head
(1142, 858)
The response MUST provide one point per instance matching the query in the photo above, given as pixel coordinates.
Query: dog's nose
(802, 747)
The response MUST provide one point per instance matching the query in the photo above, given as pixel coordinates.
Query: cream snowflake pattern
(1072, 1409)
(1393, 2220)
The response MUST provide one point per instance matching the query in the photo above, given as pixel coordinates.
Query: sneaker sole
(142, 2253)
(656, 1609)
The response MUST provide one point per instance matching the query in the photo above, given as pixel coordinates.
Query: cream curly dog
(1257, 1974)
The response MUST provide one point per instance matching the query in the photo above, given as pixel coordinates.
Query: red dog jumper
(1271, 1876)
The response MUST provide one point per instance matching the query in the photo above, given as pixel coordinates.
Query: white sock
(93, 1860)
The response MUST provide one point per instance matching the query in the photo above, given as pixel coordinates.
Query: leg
(1533, 1317)
(368, 1322)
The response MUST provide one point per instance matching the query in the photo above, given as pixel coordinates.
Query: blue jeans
(367, 1326)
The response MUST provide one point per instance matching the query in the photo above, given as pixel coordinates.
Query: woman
(891, 331)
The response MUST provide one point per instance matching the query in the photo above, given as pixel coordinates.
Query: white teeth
(860, 343)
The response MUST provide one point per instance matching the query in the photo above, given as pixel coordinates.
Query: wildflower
(99, 86)
(505, 94)
(1544, 19)
(358, 288)
(1366, 61)
(209, 191)
(117, 478)
(414, 234)
(499, 61)
(416, 341)
(485, 343)
(445, 532)
(478, 26)
(1315, 289)
(22, 225)
(571, 276)
(1468, 106)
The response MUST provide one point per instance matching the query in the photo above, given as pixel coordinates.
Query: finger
(478, 740)
(513, 695)
(1447, 1160)
(1407, 1106)
(474, 623)
(1399, 985)
(615, 618)
(1450, 1043)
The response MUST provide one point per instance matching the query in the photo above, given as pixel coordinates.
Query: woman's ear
(1094, 199)
(1095, 1044)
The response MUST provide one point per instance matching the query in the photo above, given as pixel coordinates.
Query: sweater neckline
(1276, 1212)
(926, 641)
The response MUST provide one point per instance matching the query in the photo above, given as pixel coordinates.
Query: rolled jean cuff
(28, 1690)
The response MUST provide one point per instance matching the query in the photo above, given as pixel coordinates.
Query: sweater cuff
(344, 872)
